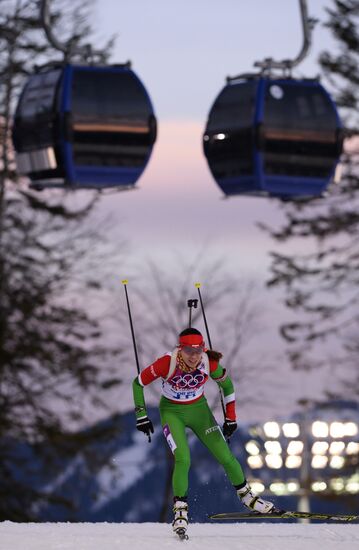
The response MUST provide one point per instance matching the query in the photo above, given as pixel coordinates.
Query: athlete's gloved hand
(145, 425)
(229, 427)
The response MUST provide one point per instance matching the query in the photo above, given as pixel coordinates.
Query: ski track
(154, 536)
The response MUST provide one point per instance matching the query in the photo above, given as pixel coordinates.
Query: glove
(145, 425)
(229, 427)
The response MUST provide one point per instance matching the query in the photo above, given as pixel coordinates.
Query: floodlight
(352, 485)
(257, 486)
(319, 461)
(255, 461)
(350, 429)
(274, 461)
(318, 486)
(352, 448)
(273, 447)
(336, 447)
(291, 429)
(337, 429)
(271, 429)
(320, 429)
(293, 486)
(320, 447)
(293, 461)
(337, 484)
(278, 488)
(295, 447)
(337, 462)
(252, 448)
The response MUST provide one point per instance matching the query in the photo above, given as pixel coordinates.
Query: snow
(134, 459)
(203, 536)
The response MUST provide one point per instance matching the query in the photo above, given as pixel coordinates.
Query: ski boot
(254, 502)
(180, 521)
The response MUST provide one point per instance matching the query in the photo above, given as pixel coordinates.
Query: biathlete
(184, 373)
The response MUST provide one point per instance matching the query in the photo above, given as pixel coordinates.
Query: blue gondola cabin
(273, 137)
(84, 127)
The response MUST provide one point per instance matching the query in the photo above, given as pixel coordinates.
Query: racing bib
(186, 386)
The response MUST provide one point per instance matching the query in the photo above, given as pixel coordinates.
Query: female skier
(184, 372)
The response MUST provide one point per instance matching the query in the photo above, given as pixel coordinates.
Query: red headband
(192, 340)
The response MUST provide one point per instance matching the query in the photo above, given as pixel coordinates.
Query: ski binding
(181, 532)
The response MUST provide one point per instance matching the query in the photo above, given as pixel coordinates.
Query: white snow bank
(154, 536)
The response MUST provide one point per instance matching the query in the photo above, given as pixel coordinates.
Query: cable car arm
(307, 24)
(287, 64)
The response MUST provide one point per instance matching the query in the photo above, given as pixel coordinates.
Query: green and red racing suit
(183, 405)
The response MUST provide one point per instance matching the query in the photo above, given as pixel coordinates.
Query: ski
(284, 514)
(182, 534)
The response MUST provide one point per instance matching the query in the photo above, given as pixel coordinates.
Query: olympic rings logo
(188, 381)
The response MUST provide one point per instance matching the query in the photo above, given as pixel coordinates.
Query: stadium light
(255, 462)
(252, 448)
(274, 461)
(337, 484)
(350, 429)
(291, 429)
(336, 447)
(352, 448)
(320, 429)
(319, 461)
(273, 447)
(257, 486)
(278, 488)
(272, 429)
(320, 447)
(336, 429)
(293, 461)
(318, 486)
(337, 462)
(352, 485)
(295, 447)
(322, 450)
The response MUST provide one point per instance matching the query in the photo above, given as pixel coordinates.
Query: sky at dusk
(183, 51)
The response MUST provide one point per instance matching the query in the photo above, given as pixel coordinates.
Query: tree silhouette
(321, 280)
(55, 364)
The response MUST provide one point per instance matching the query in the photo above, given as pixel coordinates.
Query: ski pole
(124, 282)
(191, 304)
(198, 287)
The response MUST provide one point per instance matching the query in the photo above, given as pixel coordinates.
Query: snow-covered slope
(154, 536)
(120, 477)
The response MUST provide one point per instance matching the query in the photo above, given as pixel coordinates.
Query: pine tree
(53, 355)
(321, 284)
